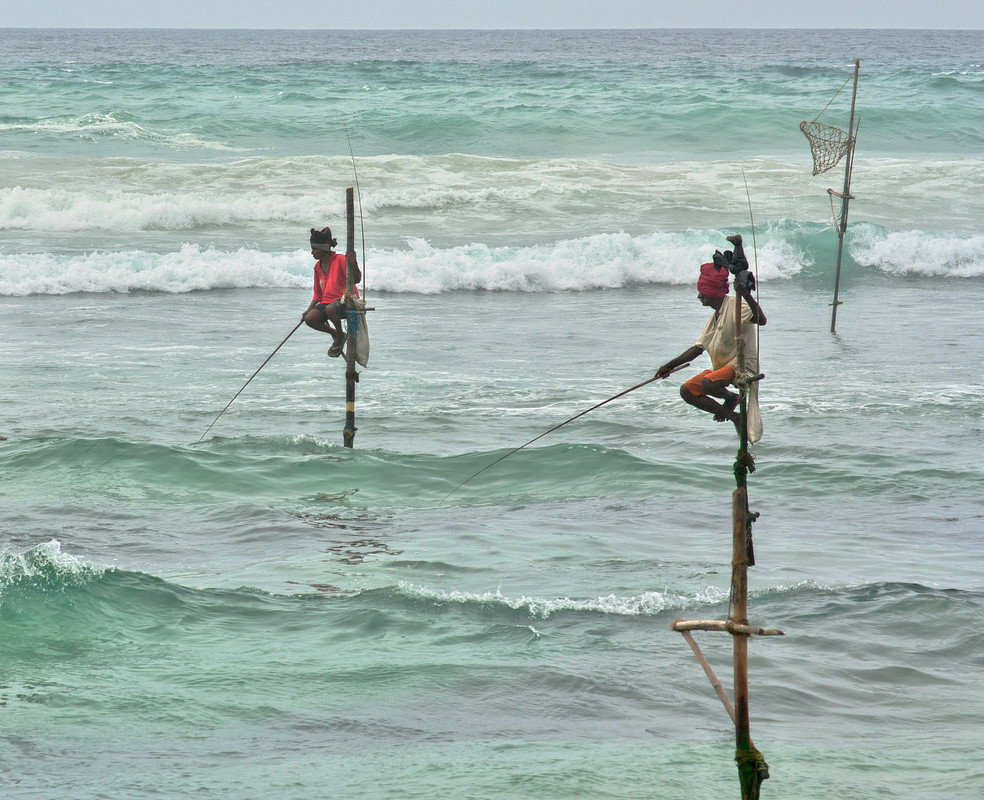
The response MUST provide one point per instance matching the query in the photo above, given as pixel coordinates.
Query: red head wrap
(713, 282)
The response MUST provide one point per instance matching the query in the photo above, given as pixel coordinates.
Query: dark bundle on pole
(351, 376)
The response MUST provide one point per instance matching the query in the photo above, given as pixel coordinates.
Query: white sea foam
(645, 604)
(590, 263)
(471, 198)
(127, 209)
(919, 253)
(602, 261)
(95, 127)
(189, 269)
(44, 563)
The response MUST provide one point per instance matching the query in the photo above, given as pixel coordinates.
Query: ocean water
(261, 612)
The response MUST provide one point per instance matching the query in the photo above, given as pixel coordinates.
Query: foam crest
(44, 566)
(645, 604)
(460, 197)
(189, 269)
(591, 263)
(122, 209)
(919, 253)
(602, 261)
(98, 127)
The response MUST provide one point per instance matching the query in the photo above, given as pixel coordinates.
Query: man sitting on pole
(327, 306)
(721, 343)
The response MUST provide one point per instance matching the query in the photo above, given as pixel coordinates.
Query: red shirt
(330, 286)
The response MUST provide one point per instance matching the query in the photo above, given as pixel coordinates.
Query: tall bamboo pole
(747, 773)
(351, 376)
(752, 768)
(845, 200)
(750, 776)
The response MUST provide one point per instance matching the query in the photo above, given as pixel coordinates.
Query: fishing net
(827, 143)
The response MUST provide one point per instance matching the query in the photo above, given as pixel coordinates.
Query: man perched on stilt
(720, 340)
(327, 306)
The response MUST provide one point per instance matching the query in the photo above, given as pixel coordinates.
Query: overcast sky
(490, 14)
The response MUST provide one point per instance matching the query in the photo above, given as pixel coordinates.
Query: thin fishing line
(298, 325)
(562, 424)
(362, 222)
(755, 258)
(831, 100)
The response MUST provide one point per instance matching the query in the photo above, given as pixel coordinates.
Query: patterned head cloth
(713, 282)
(322, 239)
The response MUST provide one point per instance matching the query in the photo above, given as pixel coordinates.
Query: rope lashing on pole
(562, 424)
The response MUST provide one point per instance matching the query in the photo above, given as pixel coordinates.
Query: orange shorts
(726, 374)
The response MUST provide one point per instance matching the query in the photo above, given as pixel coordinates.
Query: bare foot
(729, 403)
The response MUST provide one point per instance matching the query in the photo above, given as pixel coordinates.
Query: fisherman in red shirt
(327, 306)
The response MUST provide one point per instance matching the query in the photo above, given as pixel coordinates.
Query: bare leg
(336, 320)
(314, 319)
(729, 400)
(721, 411)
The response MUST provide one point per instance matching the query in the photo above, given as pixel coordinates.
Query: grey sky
(397, 14)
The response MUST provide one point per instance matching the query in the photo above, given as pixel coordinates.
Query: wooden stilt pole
(845, 200)
(351, 376)
(752, 768)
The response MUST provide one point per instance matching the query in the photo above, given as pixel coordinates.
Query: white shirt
(721, 344)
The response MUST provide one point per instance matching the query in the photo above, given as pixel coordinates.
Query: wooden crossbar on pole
(724, 626)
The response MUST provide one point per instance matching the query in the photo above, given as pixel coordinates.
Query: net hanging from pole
(827, 144)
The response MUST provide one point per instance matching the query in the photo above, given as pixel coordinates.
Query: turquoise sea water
(265, 613)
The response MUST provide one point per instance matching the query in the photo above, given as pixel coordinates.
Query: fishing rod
(362, 221)
(755, 256)
(751, 219)
(562, 424)
(298, 325)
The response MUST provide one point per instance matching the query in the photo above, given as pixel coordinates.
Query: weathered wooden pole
(351, 376)
(845, 201)
(752, 769)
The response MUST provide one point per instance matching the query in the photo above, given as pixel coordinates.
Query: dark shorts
(338, 306)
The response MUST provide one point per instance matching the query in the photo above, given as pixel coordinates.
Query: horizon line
(471, 30)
